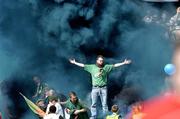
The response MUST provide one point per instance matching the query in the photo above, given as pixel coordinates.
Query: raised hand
(127, 61)
(72, 61)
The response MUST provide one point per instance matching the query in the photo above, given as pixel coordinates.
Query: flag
(33, 106)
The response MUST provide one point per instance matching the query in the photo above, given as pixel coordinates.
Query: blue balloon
(169, 69)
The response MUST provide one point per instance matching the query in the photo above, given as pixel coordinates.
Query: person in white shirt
(52, 113)
(59, 110)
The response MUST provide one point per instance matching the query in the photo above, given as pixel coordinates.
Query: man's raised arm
(122, 63)
(73, 61)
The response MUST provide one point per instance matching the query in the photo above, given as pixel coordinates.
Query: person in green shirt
(41, 88)
(75, 108)
(99, 73)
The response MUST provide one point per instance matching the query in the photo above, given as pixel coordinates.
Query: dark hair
(53, 98)
(100, 56)
(52, 109)
(72, 93)
(114, 108)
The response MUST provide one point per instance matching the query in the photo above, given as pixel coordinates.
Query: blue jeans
(102, 92)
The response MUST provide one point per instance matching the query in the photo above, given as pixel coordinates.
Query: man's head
(40, 103)
(36, 79)
(53, 100)
(100, 61)
(115, 108)
(51, 92)
(73, 97)
(52, 109)
(46, 91)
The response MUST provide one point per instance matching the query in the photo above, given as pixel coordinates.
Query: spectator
(54, 101)
(52, 113)
(75, 108)
(115, 111)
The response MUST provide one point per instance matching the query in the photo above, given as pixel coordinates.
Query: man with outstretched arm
(99, 73)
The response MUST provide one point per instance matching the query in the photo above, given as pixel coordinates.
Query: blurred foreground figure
(167, 106)
(137, 111)
(175, 25)
(0, 116)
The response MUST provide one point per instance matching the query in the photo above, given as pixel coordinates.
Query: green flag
(33, 106)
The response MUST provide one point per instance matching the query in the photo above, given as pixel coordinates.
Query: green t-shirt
(98, 75)
(78, 106)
